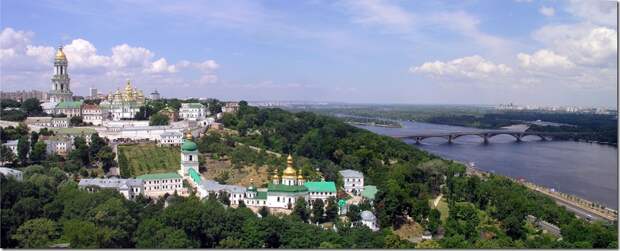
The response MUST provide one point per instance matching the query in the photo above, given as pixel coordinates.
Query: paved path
(436, 202)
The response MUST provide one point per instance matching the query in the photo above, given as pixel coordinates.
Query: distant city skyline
(544, 53)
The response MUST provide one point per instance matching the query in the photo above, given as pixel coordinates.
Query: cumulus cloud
(582, 43)
(472, 67)
(544, 59)
(599, 12)
(547, 11)
(24, 62)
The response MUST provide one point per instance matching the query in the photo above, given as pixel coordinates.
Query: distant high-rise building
(93, 92)
(60, 81)
(155, 95)
(23, 95)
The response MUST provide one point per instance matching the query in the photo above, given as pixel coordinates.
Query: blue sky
(369, 51)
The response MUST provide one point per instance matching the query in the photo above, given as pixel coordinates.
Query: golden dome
(275, 174)
(289, 171)
(188, 135)
(299, 176)
(60, 55)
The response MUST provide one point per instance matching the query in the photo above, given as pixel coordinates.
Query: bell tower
(189, 155)
(61, 90)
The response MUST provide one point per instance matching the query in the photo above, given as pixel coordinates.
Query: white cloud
(473, 67)
(544, 59)
(600, 12)
(380, 12)
(161, 66)
(581, 43)
(22, 62)
(547, 11)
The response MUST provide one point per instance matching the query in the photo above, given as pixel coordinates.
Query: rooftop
(111, 182)
(192, 105)
(367, 216)
(194, 175)
(170, 134)
(159, 176)
(320, 186)
(348, 173)
(212, 185)
(11, 142)
(75, 131)
(6, 170)
(285, 189)
(369, 192)
(38, 119)
(69, 105)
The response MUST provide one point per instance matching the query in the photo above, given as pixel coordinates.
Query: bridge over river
(484, 134)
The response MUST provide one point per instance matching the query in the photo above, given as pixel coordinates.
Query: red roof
(90, 107)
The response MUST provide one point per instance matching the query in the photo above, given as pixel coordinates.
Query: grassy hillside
(140, 159)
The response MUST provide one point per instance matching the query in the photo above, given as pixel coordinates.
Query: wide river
(583, 169)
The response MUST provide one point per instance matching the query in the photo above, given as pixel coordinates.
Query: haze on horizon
(357, 51)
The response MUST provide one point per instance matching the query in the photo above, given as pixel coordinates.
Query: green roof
(188, 145)
(159, 176)
(285, 189)
(342, 203)
(69, 105)
(194, 175)
(261, 195)
(321, 186)
(369, 192)
(74, 131)
(195, 105)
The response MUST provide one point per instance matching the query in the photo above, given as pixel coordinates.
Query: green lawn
(135, 160)
(442, 206)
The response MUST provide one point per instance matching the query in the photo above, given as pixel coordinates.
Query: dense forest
(47, 207)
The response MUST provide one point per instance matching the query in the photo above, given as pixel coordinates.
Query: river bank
(583, 208)
(582, 169)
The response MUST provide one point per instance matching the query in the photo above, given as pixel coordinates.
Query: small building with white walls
(130, 188)
(353, 181)
(369, 220)
(172, 138)
(9, 172)
(158, 184)
(192, 111)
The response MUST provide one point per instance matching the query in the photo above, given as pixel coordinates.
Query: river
(583, 169)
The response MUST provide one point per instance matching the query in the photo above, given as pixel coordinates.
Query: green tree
(331, 211)
(106, 157)
(159, 119)
(434, 220)
(34, 138)
(354, 213)
(153, 234)
(76, 121)
(38, 152)
(36, 233)
(96, 144)
(301, 209)
(81, 151)
(113, 215)
(224, 198)
(318, 209)
(263, 211)
(23, 147)
(32, 107)
(80, 234)
(6, 155)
